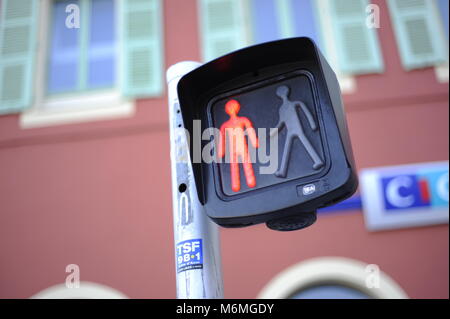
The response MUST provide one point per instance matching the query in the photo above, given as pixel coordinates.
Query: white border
(76, 109)
(326, 270)
(87, 290)
(47, 111)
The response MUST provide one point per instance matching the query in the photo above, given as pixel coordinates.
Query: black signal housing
(320, 169)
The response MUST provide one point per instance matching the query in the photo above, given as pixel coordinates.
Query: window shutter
(18, 31)
(419, 34)
(142, 48)
(357, 46)
(222, 26)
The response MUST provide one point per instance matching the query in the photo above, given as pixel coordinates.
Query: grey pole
(197, 245)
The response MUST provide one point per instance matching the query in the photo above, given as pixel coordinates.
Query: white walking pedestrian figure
(290, 120)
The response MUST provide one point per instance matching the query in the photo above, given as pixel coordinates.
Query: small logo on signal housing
(309, 189)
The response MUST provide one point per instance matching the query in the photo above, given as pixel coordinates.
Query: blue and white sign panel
(189, 255)
(405, 196)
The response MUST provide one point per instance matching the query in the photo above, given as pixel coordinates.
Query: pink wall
(98, 194)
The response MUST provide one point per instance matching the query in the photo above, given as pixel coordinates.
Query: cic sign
(405, 196)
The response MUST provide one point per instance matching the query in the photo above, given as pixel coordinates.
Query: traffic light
(280, 145)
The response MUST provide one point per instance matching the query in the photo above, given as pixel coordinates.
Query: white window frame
(86, 290)
(330, 270)
(70, 108)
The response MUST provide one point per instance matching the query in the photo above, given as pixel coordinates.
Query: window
(82, 58)
(330, 292)
(227, 25)
(443, 8)
(338, 27)
(332, 278)
(419, 29)
(77, 74)
(284, 19)
(224, 27)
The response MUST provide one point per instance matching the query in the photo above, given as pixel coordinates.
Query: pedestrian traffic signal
(268, 136)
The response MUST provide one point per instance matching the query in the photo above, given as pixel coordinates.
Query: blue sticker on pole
(189, 255)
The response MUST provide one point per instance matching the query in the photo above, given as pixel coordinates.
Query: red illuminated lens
(424, 191)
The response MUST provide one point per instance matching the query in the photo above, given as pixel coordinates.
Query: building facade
(84, 139)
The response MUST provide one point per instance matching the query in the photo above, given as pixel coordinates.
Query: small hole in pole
(182, 188)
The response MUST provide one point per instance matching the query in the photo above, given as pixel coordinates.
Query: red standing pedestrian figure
(234, 129)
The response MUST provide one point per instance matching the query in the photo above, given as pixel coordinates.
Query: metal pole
(197, 246)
